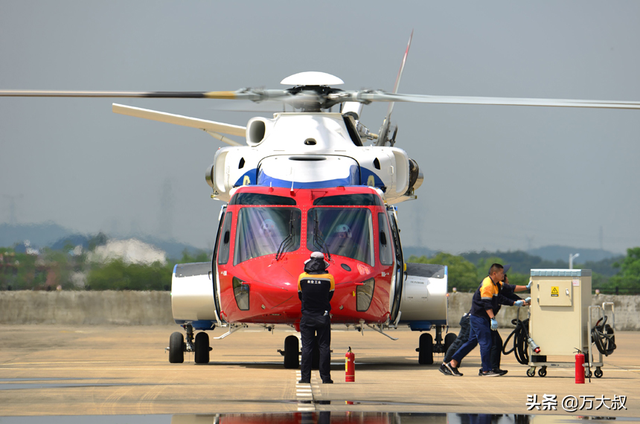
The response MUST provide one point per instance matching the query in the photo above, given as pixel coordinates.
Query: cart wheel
(531, 372)
(542, 372)
(587, 373)
(598, 372)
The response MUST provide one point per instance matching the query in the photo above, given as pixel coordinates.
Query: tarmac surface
(50, 370)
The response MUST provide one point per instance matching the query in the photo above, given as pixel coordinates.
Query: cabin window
(386, 248)
(241, 292)
(265, 231)
(364, 294)
(225, 239)
(342, 231)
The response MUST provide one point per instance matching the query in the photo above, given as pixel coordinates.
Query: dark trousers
(496, 350)
(480, 334)
(315, 328)
(463, 337)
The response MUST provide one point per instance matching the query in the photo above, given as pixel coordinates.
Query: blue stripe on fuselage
(353, 179)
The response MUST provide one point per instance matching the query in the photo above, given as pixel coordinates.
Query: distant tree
(521, 262)
(118, 275)
(18, 271)
(484, 264)
(463, 275)
(628, 279)
(197, 256)
(58, 267)
(515, 278)
(606, 267)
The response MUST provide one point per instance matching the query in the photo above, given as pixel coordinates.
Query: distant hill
(521, 262)
(174, 249)
(554, 257)
(40, 235)
(553, 253)
(417, 251)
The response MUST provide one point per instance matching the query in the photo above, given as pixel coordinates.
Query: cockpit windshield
(265, 231)
(343, 231)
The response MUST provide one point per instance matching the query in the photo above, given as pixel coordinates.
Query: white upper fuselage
(309, 150)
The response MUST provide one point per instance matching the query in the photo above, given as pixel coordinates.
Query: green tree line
(53, 269)
(59, 269)
(610, 276)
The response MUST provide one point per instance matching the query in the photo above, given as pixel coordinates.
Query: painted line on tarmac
(304, 394)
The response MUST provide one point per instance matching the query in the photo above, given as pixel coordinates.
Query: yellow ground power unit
(560, 322)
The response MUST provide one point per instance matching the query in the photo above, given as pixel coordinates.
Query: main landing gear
(178, 346)
(426, 347)
(292, 354)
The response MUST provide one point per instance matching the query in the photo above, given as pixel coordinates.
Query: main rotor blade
(383, 136)
(367, 96)
(399, 77)
(381, 96)
(243, 94)
(186, 121)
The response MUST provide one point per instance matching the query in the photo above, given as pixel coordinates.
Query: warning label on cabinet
(555, 291)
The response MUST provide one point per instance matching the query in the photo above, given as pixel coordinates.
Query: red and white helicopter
(307, 181)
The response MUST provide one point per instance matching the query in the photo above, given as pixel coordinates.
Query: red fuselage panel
(263, 289)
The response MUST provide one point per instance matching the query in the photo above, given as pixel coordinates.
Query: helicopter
(312, 179)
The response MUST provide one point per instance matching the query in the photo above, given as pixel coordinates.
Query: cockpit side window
(225, 239)
(386, 248)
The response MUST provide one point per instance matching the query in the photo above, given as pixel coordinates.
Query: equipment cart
(561, 322)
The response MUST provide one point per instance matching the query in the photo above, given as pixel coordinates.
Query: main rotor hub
(313, 98)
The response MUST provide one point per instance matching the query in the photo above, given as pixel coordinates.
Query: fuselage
(267, 233)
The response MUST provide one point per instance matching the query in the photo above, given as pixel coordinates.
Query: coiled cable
(603, 337)
(520, 336)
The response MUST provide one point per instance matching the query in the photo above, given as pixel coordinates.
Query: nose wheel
(291, 352)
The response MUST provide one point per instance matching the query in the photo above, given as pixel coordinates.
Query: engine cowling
(424, 296)
(192, 295)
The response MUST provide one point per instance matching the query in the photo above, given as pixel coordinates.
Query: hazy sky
(495, 177)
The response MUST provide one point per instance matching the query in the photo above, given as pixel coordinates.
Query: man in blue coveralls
(485, 304)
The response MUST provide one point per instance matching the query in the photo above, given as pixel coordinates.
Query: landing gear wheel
(425, 349)
(291, 352)
(202, 348)
(176, 348)
(542, 372)
(531, 372)
(448, 341)
(598, 372)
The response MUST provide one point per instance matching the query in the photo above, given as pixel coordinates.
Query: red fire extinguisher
(350, 367)
(579, 368)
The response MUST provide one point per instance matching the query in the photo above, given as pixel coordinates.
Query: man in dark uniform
(485, 305)
(496, 340)
(315, 290)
